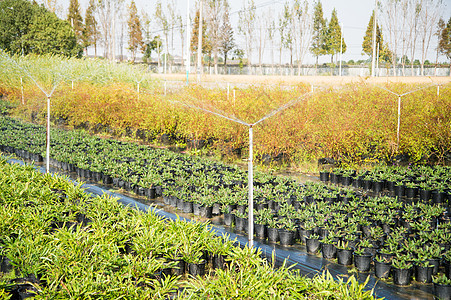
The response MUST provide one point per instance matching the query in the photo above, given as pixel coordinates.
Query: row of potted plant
(58, 242)
(428, 183)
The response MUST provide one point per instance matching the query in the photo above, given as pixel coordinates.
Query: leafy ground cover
(353, 125)
(59, 243)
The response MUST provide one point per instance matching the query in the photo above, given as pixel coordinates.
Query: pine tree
(334, 34)
(75, 19)
(367, 44)
(227, 40)
(319, 33)
(90, 33)
(135, 41)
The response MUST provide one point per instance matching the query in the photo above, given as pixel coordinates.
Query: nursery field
(380, 222)
(360, 123)
(59, 243)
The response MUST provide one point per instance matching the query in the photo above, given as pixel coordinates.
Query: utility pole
(373, 62)
(188, 35)
(199, 44)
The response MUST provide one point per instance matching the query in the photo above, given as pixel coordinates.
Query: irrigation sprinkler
(399, 108)
(251, 143)
(48, 94)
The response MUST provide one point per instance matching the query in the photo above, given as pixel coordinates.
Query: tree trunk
(225, 64)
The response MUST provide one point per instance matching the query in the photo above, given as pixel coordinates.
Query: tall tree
(303, 29)
(163, 23)
(429, 17)
(289, 31)
(227, 39)
(246, 26)
(391, 13)
(135, 39)
(444, 42)
(90, 32)
(367, 45)
(271, 32)
(76, 20)
(413, 24)
(182, 35)
(215, 13)
(335, 42)
(318, 46)
(195, 36)
(107, 11)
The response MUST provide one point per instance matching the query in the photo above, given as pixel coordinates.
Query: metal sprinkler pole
(399, 121)
(21, 89)
(47, 154)
(251, 189)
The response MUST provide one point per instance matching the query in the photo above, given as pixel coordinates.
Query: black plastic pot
(324, 176)
(219, 261)
(196, 209)
(346, 180)
(150, 193)
(180, 204)
(312, 245)
(425, 195)
(240, 223)
(286, 237)
(228, 219)
(329, 251)
(197, 269)
(206, 211)
(423, 274)
(378, 186)
(401, 276)
(303, 233)
(187, 207)
(344, 257)
(382, 269)
(261, 231)
(447, 269)
(442, 291)
(273, 235)
(363, 262)
(5, 265)
(436, 263)
(399, 191)
(411, 192)
(367, 184)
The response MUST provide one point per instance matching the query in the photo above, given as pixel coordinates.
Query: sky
(353, 14)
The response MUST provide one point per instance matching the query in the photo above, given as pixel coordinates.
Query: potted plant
(273, 230)
(312, 243)
(328, 249)
(382, 267)
(362, 260)
(442, 287)
(402, 270)
(423, 269)
(344, 253)
(287, 232)
(261, 220)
